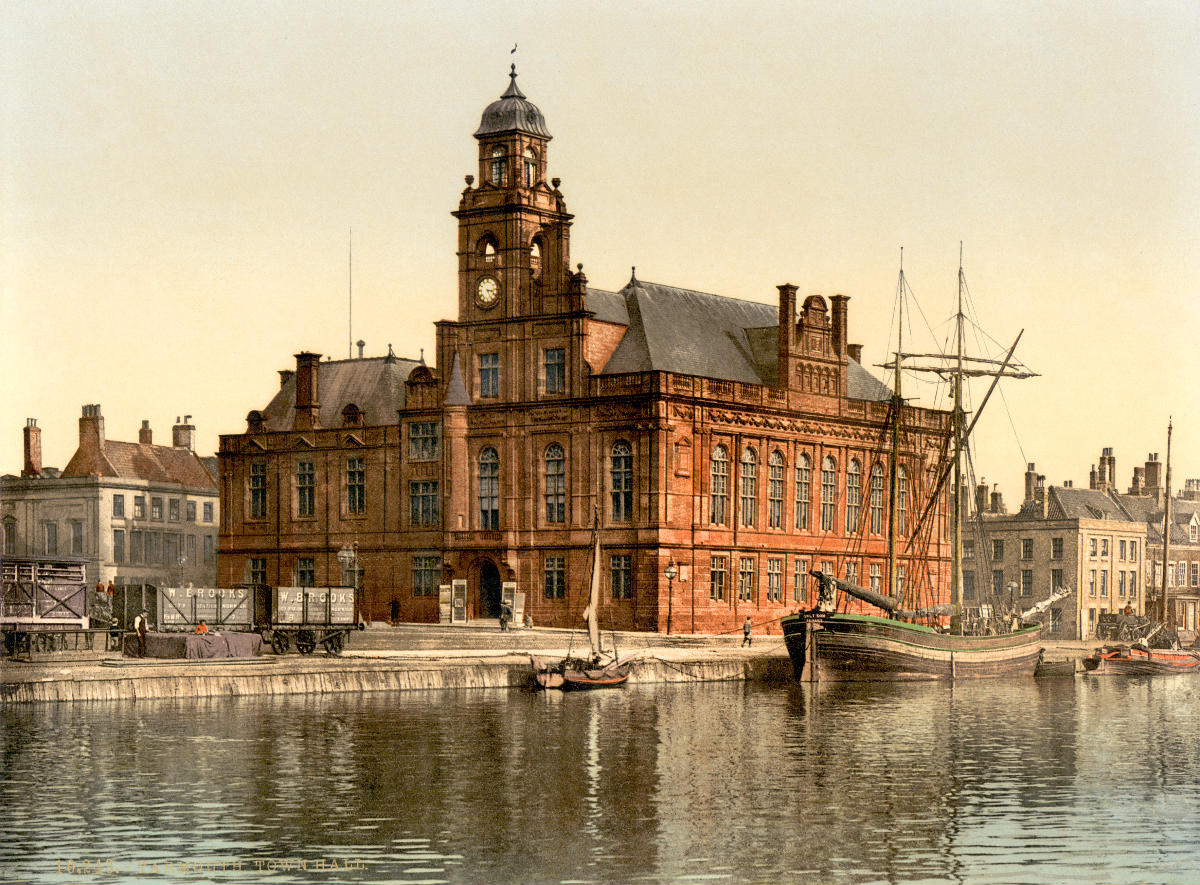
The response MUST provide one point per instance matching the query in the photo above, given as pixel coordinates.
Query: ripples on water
(1096, 780)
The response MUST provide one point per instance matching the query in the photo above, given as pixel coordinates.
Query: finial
(512, 71)
(391, 357)
(633, 275)
(470, 179)
(422, 356)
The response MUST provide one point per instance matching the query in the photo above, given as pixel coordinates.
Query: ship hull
(861, 648)
(1135, 661)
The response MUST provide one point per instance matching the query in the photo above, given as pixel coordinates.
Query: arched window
(749, 485)
(499, 167)
(853, 495)
(720, 485)
(876, 500)
(530, 164)
(622, 481)
(803, 491)
(828, 493)
(556, 484)
(775, 490)
(489, 489)
(535, 258)
(901, 501)
(486, 249)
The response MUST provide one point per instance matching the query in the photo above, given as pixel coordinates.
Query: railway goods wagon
(306, 617)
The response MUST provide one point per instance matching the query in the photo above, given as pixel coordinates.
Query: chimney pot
(145, 435)
(308, 405)
(33, 448)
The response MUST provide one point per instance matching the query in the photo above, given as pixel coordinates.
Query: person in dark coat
(506, 614)
(746, 632)
(141, 626)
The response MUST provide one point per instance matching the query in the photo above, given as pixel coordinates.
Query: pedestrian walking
(141, 626)
(746, 633)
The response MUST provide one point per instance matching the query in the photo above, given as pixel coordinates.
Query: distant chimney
(855, 352)
(840, 322)
(1030, 482)
(33, 449)
(1153, 476)
(1139, 481)
(1110, 469)
(981, 497)
(285, 375)
(91, 430)
(1094, 478)
(183, 434)
(360, 344)
(145, 434)
(1039, 497)
(997, 501)
(308, 406)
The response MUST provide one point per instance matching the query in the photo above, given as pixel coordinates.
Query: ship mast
(897, 402)
(1166, 609)
(956, 488)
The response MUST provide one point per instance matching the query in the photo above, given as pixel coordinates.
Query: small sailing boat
(827, 644)
(1158, 651)
(600, 669)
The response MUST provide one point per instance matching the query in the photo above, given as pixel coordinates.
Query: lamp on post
(348, 557)
(182, 563)
(670, 572)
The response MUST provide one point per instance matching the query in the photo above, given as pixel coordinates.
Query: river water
(1068, 781)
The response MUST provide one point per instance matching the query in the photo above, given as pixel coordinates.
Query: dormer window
(499, 167)
(530, 166)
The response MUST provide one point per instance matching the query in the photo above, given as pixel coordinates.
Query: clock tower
(513, 226)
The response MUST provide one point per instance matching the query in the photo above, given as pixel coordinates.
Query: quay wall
(144, 682)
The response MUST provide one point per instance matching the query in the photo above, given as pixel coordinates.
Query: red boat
(1134, 660)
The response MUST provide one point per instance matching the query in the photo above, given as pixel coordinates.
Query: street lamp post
(182, 563)
(670, 572)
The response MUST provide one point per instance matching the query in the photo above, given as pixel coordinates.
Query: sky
(182, 184)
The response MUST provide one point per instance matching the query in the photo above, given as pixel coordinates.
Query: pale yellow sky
(179, 181)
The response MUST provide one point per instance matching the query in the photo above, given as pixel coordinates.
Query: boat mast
(1166, 610)
(956, 513)
(893, 584)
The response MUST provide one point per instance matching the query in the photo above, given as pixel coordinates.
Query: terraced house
(742, 443)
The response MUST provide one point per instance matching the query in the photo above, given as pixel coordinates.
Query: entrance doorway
(489, 590)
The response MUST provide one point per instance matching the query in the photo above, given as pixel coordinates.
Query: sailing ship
(826, 644)
(600, 669)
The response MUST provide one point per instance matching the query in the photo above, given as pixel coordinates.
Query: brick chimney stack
(33, 449)
(1030, 482)
(91, 431)
(997, 500)
(787, 336)
(308, 406)
(981, 497)
(855, 351)
(1139, 481)
(840, 331)
(1153, 476)
(1110, 469)
(285, 375)
(145, 434)
(183, 435)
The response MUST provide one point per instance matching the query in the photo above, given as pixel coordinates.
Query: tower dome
(512, 112)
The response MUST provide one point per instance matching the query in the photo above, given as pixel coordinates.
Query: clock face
(488, 292)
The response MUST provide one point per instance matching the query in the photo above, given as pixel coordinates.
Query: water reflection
(1094, 780)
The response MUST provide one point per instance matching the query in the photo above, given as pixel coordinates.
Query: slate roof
(512, 111)
(128, 460)
(375, 384)
(1070, 503)
(1147, 509)
(710, 336)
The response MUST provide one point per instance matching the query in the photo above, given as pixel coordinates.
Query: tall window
(720, 485)
(1133, 551)
(774, 580)
(799, 579)
(118, 545)
(1027, 548)
(901, 501)
(306, 489)
(555, 577)
(853, 495)
(1056, 579)
(499, 166)
(489, 489)
(997, 581)
(119, 506)
(622, 482)
(423, 441)
(427, 571)
(997, 549)
(746, 578)
(356, 486)
(530, 163)
(258, 490)
(489, 374)
(209, 552)
(876, 500)
(256, 571)
(1027, 582)
(852, 572)
(716, 578)
(173, 510)
(876, 577)
(900, 581)
(803, 491)
(156, 511)
(618, 571)
(968, 586)
(306, 572)
(424, 502)
(139, 502)
(136, 546)
(556, 484)
(555, 369)
(775, 490)
(208, 511)
(1056, 548)
(191, 548)
(828, 493)
(77, 537)
(748, 485)
(190, 511)
(1121, 585)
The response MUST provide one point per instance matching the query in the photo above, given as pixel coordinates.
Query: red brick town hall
(741, 443)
